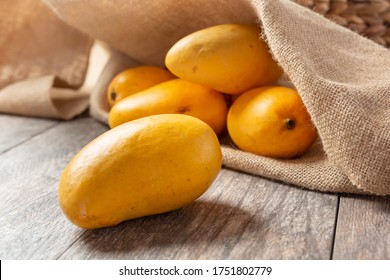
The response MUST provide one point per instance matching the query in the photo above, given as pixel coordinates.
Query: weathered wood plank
(240, 217)
(31, 223)
(36, 230)
(15, 130)
(363, 228)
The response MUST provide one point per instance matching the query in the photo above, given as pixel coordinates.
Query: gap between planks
(335, 227)
(242, 216)
(17, 130)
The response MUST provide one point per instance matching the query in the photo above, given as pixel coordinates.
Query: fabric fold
(41, 97)
(344, 81)
(43, 62)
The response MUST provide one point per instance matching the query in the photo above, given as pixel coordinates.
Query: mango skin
(173, 97)
(135, 79)
(149, 166)
(230, 58)
(257, 123)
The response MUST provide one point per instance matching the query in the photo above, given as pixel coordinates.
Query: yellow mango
(271, 121)
(230, 58)
(173, 97)
(148, 166)
(135, 79)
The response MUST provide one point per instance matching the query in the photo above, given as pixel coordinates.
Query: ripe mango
(173, 97)
(148, 166)
(230, 58)
(271, 121)
(135, 79)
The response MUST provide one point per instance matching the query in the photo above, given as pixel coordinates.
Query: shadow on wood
(192, 229)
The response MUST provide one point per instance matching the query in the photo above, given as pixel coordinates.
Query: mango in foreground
(148, 166)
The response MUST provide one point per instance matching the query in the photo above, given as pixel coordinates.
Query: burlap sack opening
(343, 79)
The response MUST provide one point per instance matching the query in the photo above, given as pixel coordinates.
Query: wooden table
(240, 217)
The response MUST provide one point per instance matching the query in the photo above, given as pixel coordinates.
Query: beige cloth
(42, 63)
(343, 79)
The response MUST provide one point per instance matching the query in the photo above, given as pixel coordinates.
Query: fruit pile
(215, 67)
(162, 151)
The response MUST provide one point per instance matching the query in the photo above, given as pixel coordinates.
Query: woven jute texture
(342, 77)
(344, 81)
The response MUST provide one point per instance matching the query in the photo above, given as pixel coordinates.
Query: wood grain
(240, 217)
(363, 228)
(31, 223)
(14, 130)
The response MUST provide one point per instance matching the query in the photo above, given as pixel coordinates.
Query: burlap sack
(42, 63)
(343, 79)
